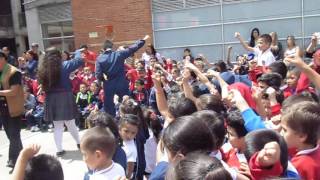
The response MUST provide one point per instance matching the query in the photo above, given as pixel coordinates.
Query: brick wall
(131, 20)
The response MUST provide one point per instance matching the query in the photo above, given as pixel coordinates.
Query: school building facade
(204, 26)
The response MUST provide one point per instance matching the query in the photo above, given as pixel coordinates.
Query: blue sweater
(252, 121)
(32, 68)
(111, 63)
(66, 68)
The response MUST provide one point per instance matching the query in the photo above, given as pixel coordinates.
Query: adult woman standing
(255, 33)
(292, 48)
(60, 106)
(149, 53)
(32, 63)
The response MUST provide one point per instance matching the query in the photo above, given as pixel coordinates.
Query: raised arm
(25, 155)
(313, 76)
(75, 63)
(186, 86)
(202, 78)
(133, 48)
(313, 44)
(161, 100)
(243, 43)
(229, 56)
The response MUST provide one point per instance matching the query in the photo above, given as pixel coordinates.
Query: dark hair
(222, 66)
(44, 166)
(68, 54)
(33, 54)
(211, 102)
(107, 44)
(181, 106)
(216, 125)
(271, 79)
(267, 38)
(252, 40)
(2, 55)
(99, 138)
(256, 140)
(280, 68)
(130, 119)
(104, 120)
(84, 46)
(153, 51)
(293, 39)
(304, 117)
(197, 165)
(130, 106)
(187, 134)
(187, 50)
(294, 99)
(49, 69)
(235, 120)
(153, 122)
(140, 82)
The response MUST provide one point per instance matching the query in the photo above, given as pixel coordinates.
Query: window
(58, 34)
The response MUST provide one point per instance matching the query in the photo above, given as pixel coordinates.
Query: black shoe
(11, 171)
(78, 145)
(61, 153)
(10, 164)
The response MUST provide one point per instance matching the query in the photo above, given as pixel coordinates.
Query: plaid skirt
(60, 106)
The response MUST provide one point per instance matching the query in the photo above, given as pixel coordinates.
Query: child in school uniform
(300, 128)
(98, 146)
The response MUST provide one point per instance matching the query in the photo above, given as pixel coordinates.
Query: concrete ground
(73, 166)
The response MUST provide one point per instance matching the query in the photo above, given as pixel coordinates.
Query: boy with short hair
(98, 147)
(140, 94)
(263, 51)
(300, 127)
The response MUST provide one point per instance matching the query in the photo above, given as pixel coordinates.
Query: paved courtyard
(73, 166)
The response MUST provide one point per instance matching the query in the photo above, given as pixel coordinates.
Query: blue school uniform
(110, 64)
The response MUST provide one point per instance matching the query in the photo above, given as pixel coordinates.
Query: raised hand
(297, 61)
(31, 150)
(269, 155)
(237, 35)
(146, 37)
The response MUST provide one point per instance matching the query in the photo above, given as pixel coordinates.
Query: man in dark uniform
(11, 106)
(110, 70)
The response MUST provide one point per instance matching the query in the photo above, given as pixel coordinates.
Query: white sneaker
(35, 129)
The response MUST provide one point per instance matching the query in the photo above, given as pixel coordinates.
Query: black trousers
(12, 127)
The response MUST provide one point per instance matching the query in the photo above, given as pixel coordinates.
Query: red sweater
(307, 163)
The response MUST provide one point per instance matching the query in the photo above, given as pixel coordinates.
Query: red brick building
(130, 19)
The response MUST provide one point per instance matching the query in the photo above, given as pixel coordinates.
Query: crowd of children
(258, 118)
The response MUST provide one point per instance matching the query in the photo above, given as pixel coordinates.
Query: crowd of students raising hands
(258, 118)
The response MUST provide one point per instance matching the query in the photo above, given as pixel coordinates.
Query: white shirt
(147, 57)
(130, 149)
(291, 52)
(150, 152)
(110, 173)
(264, 58)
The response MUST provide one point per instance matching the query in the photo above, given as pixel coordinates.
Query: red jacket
(307, 163)
(91, 56)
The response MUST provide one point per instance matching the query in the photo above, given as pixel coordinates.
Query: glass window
(59, 35)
